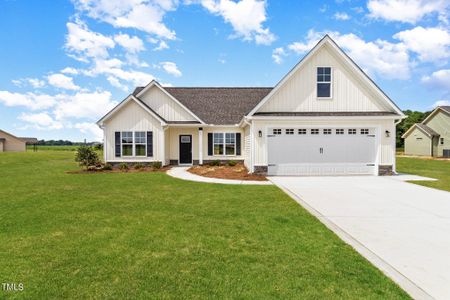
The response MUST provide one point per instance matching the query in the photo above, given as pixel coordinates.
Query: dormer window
(324, 82)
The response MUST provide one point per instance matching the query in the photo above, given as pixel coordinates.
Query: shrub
(123, 166)
(232, 163)
(107, 167)
(138, 166)
(215, 163)
(86, 156)
(156, 165)
(98, 147)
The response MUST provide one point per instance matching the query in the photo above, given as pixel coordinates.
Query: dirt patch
(117, 170)
(238, 172)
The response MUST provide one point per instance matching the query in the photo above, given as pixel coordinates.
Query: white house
(325, 117)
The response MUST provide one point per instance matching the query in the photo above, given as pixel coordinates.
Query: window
(352, 131)
(218, 143)
(127, 143)
(276, 131)
(340, 131)
(441, 141)
(314, 131)
(302, 131)
(327, 131)
(419, 139)
(289, 131)
(224, 143)
(140, 143)
(324, 82)
(364, 131)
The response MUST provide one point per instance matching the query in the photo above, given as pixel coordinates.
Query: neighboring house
(9, 142)
(324, 117)
(432, 136)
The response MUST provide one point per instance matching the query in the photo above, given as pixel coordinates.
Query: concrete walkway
(402, 228)
(182, 173)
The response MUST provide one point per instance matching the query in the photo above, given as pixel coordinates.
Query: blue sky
(63, 64)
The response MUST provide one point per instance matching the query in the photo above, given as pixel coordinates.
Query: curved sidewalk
(182, 173)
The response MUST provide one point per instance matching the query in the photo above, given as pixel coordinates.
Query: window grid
(352, 131)
(224, 143)
(324, 82)
(127, 143)
(140, 143)
(290, 131)
(364, 131)
(327, 131)
(276, 131)
(314, 131)
(339, 131)
(302, 131)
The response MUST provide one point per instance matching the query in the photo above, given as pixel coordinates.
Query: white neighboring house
(325, 117)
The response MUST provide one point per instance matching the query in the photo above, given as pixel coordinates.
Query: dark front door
(185, 149)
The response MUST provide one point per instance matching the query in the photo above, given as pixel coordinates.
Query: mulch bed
(117, 170)
(238, 172)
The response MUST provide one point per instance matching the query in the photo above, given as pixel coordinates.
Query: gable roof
(422, 127)
(347, 60)
(217, 105)
(445, 109)
(12, 136)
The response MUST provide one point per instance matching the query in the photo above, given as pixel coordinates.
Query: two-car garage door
(322, 151)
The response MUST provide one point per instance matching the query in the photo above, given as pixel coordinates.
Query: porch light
(388, 133)
(260, 133)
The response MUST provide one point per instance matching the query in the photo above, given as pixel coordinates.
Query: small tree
(86, 156)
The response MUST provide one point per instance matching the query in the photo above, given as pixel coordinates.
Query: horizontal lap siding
(441, 124)
(418, 143)
(11, 143)
(132, 117)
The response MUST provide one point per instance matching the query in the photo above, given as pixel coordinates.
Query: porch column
(200, 146)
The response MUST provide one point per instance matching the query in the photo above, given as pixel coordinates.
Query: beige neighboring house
(325, 117)
(9, 142)
(432, 136)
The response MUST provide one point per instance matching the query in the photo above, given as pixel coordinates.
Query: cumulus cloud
(245, 16)
(33, 82)
(40, 121)
(90, 128)
(439, 79)
(277, 55)
(29, 100)
(441, 103)
(431, 44)
(406, 11)
(341, 16)
(171, 68)
(161, 46)
(69, 70)
(130, 44)
(62, 81)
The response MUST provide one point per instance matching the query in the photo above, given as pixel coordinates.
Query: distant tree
(412, 118)
(86, 156)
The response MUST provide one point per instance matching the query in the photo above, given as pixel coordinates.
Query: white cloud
(83, 105)
(245, 16)
(144, 15)
(171, 68)
(439, 79)
(406, 11)
(34, 82)
(441, 103)
(379, 57)
(130, 44)
(431, 44)
(162, 45)
(62, 81)
(277, 55)
(41, 121)
(90, 128)
(69, 70)
(341, 16)
(84, 44)
(29, 100)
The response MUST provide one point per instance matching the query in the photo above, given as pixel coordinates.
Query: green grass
(439, 169)
(53, 148)
(147, 235)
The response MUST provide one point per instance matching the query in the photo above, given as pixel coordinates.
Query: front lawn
(438, 169)
(147, 235)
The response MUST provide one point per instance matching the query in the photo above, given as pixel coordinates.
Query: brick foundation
(260, 170)
(385, 170)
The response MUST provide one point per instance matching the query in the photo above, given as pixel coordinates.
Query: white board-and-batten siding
(132, 117)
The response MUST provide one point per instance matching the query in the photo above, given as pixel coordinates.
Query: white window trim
(122, 143)
(224, 143)
(133, 145)
(331, 83)
(145, 144)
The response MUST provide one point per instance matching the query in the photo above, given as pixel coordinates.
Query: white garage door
(321, 151)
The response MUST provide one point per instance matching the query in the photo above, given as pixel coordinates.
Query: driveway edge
(405, 283)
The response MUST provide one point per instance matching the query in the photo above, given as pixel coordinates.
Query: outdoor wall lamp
(260, 133)
(388, 133)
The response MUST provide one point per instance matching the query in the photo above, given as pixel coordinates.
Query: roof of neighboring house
(11, 135)
(327, 114)
(424, 128)
(29, 140)
(445, 108)
(217, 105)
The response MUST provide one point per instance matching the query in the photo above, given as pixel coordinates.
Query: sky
(65, 63)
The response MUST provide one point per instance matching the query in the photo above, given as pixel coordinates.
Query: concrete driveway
(402, 228)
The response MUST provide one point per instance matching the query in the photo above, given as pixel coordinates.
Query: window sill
(324, 98)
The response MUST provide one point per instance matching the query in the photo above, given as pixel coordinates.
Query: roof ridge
(219, 87)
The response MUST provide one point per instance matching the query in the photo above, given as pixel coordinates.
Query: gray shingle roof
(446, 108)
(427, 129)
(327, 114)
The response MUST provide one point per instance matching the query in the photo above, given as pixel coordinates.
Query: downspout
(394, 165)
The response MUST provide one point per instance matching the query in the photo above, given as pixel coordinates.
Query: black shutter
(238, 143)
(149, 143)
(117, 143)
(210, 144)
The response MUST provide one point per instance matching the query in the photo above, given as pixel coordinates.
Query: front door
(185, 149)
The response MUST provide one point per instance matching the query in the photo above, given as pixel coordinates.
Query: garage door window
(352, 131)
(302, 131)
(314, 131)
(276, 131)
(364, 131)
(289, 131)
(327, 131)
(340, 131)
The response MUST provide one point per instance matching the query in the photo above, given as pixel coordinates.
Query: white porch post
(162, 145)
(200, 146)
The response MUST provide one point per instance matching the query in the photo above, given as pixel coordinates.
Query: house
(9, 142)
(325, 117)
(432, 136)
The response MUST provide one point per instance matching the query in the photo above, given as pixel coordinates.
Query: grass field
(52, 148)
(147, 235)
(439, 169)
